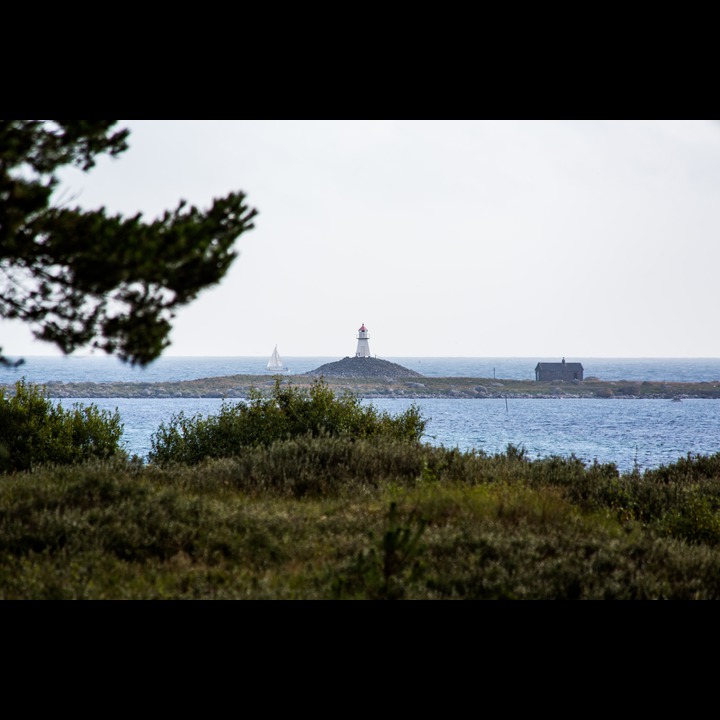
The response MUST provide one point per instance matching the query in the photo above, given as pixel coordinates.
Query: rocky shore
(412, 387)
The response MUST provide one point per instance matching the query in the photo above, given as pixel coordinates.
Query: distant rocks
(374, 378)
(364, 367)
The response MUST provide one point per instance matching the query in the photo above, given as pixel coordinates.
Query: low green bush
(35, 431)
(287, 412)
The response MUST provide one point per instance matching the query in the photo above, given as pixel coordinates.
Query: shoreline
(239, 386)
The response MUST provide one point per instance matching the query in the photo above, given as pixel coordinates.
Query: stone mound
(364, 367)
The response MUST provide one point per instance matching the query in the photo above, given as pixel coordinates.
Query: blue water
(628, 432)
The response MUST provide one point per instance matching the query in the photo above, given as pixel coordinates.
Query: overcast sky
(472, 238)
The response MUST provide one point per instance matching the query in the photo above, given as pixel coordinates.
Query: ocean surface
(628, 432)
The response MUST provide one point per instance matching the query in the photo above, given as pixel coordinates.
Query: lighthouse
(363, 348)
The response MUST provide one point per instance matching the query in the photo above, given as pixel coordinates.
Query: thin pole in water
(506, 407)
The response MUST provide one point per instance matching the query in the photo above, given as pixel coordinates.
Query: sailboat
(275, 363)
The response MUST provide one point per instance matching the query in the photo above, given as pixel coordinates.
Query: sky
(446, 238)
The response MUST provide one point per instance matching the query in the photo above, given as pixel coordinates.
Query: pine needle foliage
(82, 277)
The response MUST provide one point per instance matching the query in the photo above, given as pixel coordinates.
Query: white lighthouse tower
(363, 348)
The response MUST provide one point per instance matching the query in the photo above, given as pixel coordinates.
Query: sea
(630, 433)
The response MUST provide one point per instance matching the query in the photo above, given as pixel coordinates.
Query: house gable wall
(558, 371)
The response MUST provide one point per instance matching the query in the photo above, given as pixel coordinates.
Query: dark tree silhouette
(84, 278)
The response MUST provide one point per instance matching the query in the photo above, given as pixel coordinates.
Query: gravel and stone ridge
(364, 367)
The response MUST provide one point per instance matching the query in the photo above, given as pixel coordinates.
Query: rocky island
(358, 368)
(375, 378)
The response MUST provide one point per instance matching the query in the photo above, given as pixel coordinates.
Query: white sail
(275, 363)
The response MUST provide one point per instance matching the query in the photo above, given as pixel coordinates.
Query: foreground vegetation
(325, 512)
(333, 518)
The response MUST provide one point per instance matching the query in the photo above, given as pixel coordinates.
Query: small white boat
(275, 363)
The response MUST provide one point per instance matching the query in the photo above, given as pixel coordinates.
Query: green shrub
(35, 431)
(629, 389)
(312, 467)
(695, 521)
(286, 413)
(383, 572)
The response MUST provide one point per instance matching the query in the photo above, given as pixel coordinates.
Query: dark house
(558, 371)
